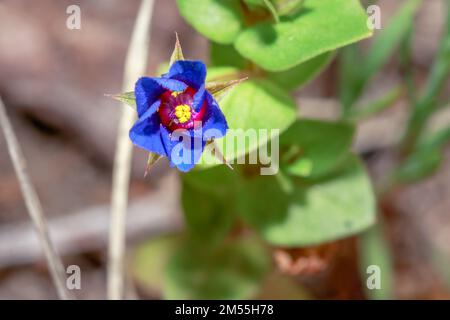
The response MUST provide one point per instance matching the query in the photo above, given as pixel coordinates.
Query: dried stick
(33, 205)
(151, 215)
(135, 66)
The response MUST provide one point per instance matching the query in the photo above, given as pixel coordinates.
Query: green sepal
(220, 88)
(127, 98)
(177, 54)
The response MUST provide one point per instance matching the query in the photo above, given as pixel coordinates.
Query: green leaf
(435, 139)
(426, 157)
(215, 182)
(385, 101)
(234, 270)
(149, 260)
(254, 104)
(406, 64)
(420, 164)
(303, 73)
(335, 207)
(207, 218)
(223, 73)
(316, 147)
(373, 251)
(219, 21)
(440, 70)
(126, 98)
(321, 26)
(350, 83)
(207, 198)
(427, 104)
(225, 55)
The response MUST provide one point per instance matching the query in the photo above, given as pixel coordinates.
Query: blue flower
(177, 115)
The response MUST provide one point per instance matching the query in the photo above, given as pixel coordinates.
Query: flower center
(183, 113)
(176, 110)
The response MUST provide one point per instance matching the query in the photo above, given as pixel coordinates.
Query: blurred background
(53, 81)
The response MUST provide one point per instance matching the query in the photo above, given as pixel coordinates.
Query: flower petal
(214, 119)
(183, 147)
(199, 98)
(193, 73)
(171, 84)
(150, 111)
(148, 90)
(146, 134)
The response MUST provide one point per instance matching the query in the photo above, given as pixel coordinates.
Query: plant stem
(135, 66)
(33, 204)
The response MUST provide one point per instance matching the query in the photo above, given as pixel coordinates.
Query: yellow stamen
(183, 113)
(176, 93)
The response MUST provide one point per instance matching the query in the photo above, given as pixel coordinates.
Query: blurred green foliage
(324, 145)
(314, 212)
(353, 80)
(322, 192)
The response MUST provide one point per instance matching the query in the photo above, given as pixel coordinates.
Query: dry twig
(135, 66)
(33, 205)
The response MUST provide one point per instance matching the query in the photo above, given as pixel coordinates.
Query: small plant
(318, 191)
